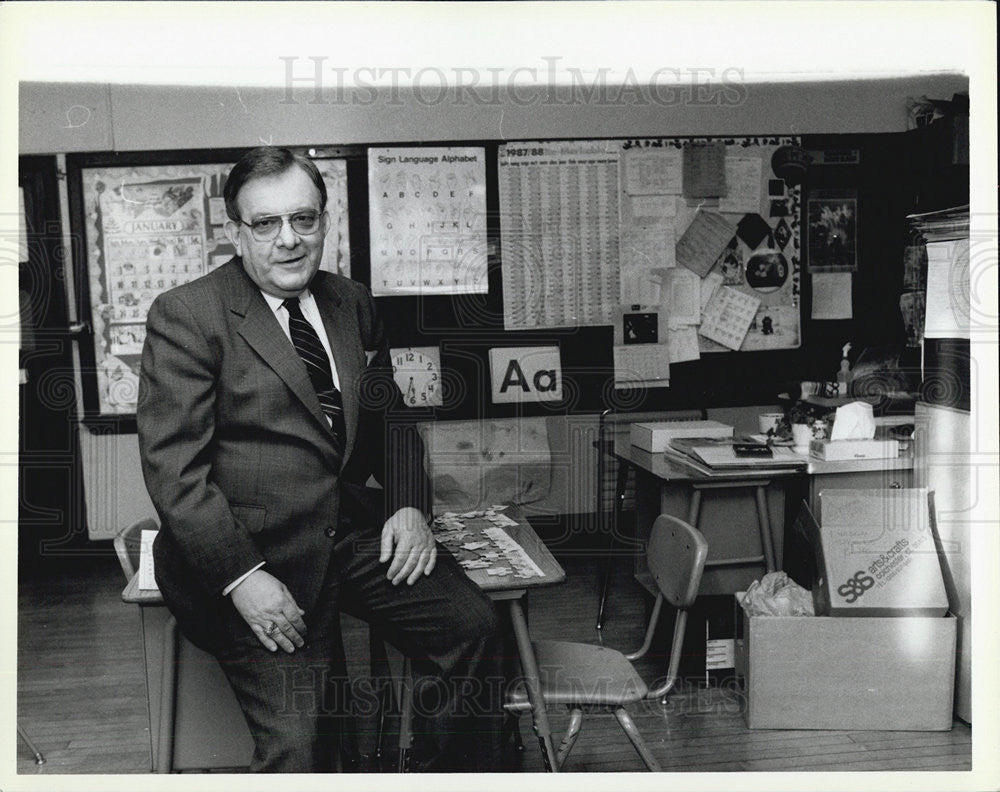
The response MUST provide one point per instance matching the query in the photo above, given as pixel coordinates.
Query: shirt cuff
(226, 591)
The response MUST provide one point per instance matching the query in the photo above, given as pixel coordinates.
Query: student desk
(206, 700)
(742, 515)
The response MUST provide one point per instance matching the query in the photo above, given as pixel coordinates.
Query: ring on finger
(270, 628)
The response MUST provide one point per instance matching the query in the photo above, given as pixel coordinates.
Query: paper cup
(768, 421)
(801, 435)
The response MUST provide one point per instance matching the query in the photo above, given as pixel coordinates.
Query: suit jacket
(238, 458)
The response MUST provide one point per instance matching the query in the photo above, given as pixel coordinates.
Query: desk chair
(191, 689)
(588, 676)
(611, 506)
(196, 722)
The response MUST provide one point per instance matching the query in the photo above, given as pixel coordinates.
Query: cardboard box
(839, 450)
(816, 672)
(875, 554)
(656, 436)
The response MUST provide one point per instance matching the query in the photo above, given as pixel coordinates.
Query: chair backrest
(676, 555)
(127, 544)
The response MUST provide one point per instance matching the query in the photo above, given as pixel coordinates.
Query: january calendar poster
(427, 220)
(147, 232)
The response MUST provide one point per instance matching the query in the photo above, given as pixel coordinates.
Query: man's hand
(270, 610)
(415, 552)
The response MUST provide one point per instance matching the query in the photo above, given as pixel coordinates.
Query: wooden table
(506, 589)
(511, 590)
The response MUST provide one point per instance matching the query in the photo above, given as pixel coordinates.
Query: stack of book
(713, 456)
(943, 225)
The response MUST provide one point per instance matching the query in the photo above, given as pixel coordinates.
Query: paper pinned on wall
(683, 344)
(832, 295)
(653, 207)
(642, 250)
(728, 317)
(683, 297)
(703, 241)
(640, 364)
(705, 169)
(742, 185)
(653, 171)
(709, 284)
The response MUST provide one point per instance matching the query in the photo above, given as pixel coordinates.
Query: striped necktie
(313, 355)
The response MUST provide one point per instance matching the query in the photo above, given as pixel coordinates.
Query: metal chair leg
(616, 520)
(569, 739)
(39, 759)
(406, 718)
(632, 732)
(382, 675)
(168, 689)
(512, 729)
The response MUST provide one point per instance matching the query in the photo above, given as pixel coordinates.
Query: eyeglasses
(264, 229)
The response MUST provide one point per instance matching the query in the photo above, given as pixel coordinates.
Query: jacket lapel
(260, 329)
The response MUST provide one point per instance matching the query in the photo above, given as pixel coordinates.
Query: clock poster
(417, 372)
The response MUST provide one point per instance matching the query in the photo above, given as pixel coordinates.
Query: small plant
(816, 417)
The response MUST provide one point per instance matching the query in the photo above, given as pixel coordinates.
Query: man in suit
(266, 402)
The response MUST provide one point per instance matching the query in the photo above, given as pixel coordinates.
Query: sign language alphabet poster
(427, 220)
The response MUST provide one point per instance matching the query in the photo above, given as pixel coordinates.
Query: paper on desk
(854, 421)
(147, 578)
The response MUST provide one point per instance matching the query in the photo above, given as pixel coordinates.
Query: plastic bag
(776, 594)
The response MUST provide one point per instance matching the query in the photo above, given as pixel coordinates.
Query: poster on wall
(150, 228)
(559, 233)
(832, 230)
(427, 220)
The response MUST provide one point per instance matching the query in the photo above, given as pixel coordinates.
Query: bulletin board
(152, 227)
(684, 246)
(760, 260)
(584, 251)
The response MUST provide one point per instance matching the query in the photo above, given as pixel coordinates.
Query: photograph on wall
(832, 231)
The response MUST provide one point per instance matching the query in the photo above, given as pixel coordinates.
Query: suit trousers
(298, 705)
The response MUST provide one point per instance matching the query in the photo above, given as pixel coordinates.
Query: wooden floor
(81, 694)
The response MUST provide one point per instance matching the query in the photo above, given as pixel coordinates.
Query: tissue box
(656, 436)
(815, 672)
(838, 450)
(875, 554)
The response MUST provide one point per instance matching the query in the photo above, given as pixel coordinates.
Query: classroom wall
(61, 117)
(64, 118)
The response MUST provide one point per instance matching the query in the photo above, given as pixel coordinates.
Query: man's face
(284, 265)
